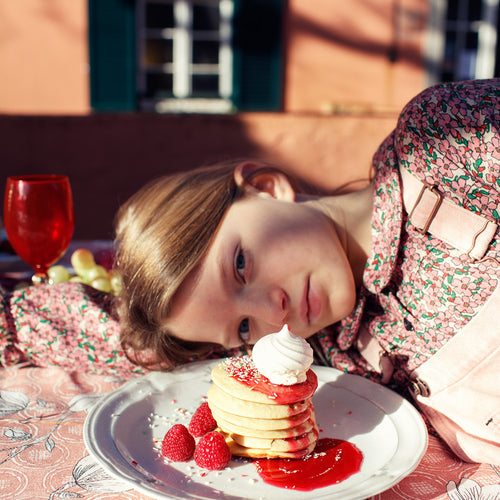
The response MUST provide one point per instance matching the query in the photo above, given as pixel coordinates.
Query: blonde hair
(162, 232)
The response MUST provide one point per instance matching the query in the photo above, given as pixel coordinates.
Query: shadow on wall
(401, 22)
(109, 156)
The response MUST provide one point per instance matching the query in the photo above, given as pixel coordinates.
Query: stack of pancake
(260, 419)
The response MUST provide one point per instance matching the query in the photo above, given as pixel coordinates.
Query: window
(185, 55)
(208, 56)
(463, 39)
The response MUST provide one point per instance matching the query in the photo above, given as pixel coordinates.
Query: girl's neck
(351, 215)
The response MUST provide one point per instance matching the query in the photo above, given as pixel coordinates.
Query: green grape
(94, 273)
(58, 274)
(89, 273)
(102, 284)
(82, 259)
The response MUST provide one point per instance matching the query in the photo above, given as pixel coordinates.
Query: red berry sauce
(244, 370)
(332, 461)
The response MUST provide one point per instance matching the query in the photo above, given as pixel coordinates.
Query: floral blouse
(418, 291)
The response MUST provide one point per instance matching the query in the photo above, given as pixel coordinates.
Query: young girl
(397, 281)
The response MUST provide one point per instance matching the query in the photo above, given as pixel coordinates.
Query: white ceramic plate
(121, 430)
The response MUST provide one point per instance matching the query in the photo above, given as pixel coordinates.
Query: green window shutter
(257, 46)
(112, 55)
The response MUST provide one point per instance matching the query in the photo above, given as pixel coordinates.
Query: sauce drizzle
(332, 461)
(244, 370)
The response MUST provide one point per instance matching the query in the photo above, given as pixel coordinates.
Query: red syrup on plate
(332, 461)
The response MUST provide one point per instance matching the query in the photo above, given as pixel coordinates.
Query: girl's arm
(69, 325)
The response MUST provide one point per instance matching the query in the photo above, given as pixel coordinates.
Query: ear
(257, 178)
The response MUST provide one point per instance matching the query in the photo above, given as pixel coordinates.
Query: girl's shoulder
(448, 136)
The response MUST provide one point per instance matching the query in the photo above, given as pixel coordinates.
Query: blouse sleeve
(69, 325)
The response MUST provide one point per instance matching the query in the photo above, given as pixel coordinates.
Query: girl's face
(273, 261)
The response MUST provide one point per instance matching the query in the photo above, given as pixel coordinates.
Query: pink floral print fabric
(418, 291)
(69, 325)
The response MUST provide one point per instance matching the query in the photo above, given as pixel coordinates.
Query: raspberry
(178, 445)
(212, 452)
(202, 421)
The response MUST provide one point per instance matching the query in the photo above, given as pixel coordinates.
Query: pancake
(298, 430)
(237, 406)
(278, 444)
(243, 451)
(253, 423)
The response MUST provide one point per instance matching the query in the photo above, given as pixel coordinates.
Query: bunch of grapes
(88, 272)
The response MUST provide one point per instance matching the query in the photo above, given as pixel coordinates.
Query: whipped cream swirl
(283, 357)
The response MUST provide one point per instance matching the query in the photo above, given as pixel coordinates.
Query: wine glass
(39, 219)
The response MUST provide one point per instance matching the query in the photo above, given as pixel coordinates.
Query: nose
(270, 306)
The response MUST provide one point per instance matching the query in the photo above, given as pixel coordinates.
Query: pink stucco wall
(354, 55)
(44, 57)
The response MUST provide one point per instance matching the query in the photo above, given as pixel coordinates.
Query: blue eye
(244, 330)
(240, 264)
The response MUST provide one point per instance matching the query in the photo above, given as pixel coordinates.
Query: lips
(315, 305)
(310, 306)
(304, 304)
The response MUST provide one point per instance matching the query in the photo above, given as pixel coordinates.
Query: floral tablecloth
(43, 455)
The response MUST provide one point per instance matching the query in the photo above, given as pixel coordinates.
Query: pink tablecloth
(43, 456)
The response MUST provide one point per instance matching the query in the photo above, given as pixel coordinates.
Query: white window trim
(182, 43)
(226, 9)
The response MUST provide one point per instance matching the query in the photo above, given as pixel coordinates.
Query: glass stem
(40, 278)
